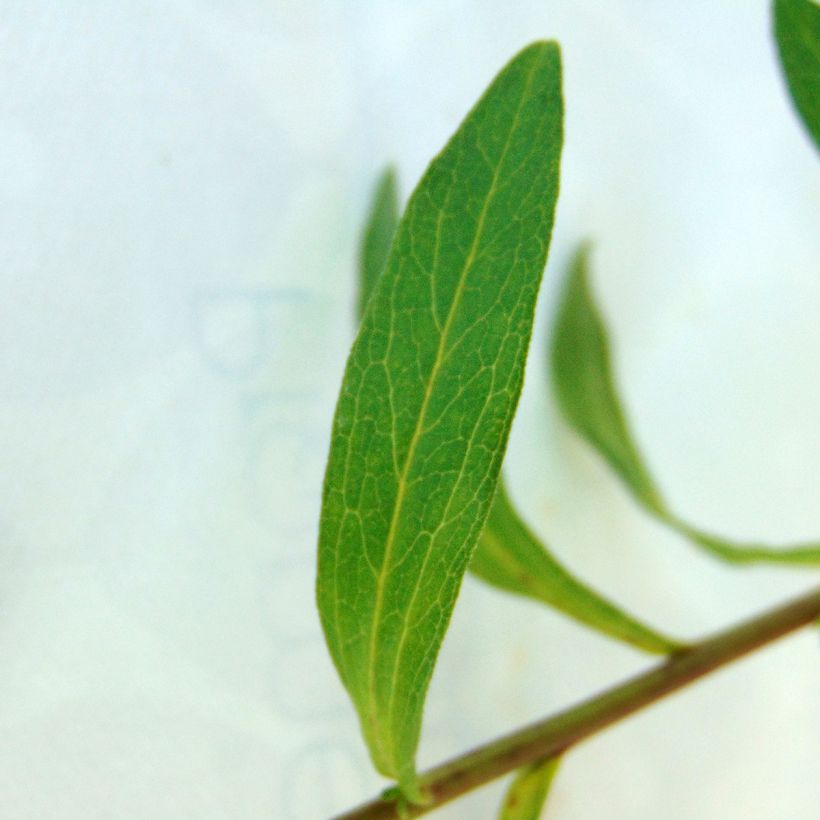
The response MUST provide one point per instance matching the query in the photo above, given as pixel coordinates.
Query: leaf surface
(797, 31)
(508, 556)
(588, 397)
(528, 792)
(427, 399)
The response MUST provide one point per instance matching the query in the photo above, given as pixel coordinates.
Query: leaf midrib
(419, 427)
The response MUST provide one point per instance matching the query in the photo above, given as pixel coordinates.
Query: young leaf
(584, 385)
(509, 556)
(427, 400)
(797, 31)
(378, 235)
(527, 794)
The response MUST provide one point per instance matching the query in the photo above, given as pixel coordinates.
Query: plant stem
(553, 735)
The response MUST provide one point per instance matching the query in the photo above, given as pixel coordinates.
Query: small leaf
(509, 556)
(378, 236)
(797, 31)
(584, 385)
(427, 400)
(528, 792)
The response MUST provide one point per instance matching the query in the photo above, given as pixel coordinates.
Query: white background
(181, 187)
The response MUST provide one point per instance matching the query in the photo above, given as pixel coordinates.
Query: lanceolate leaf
(797, 30)
(427, 400)
(378, 236)
(586, 391)
(585, 386)
(508, 555)
(528, 792)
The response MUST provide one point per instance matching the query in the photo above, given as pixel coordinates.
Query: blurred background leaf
(588, 396)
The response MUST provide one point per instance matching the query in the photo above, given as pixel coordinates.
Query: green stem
(554, 735)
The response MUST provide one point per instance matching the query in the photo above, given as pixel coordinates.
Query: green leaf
(509, 556)
(377, 238)
(587, 395)
(797, 31)
(527, 794)
(585, 386)
(427, 400)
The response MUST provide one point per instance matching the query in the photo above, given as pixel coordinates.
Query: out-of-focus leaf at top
(377, 237)
(586, 391)
(428, 397)
(797, 31)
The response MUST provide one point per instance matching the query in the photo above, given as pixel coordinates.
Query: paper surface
(182, 186)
